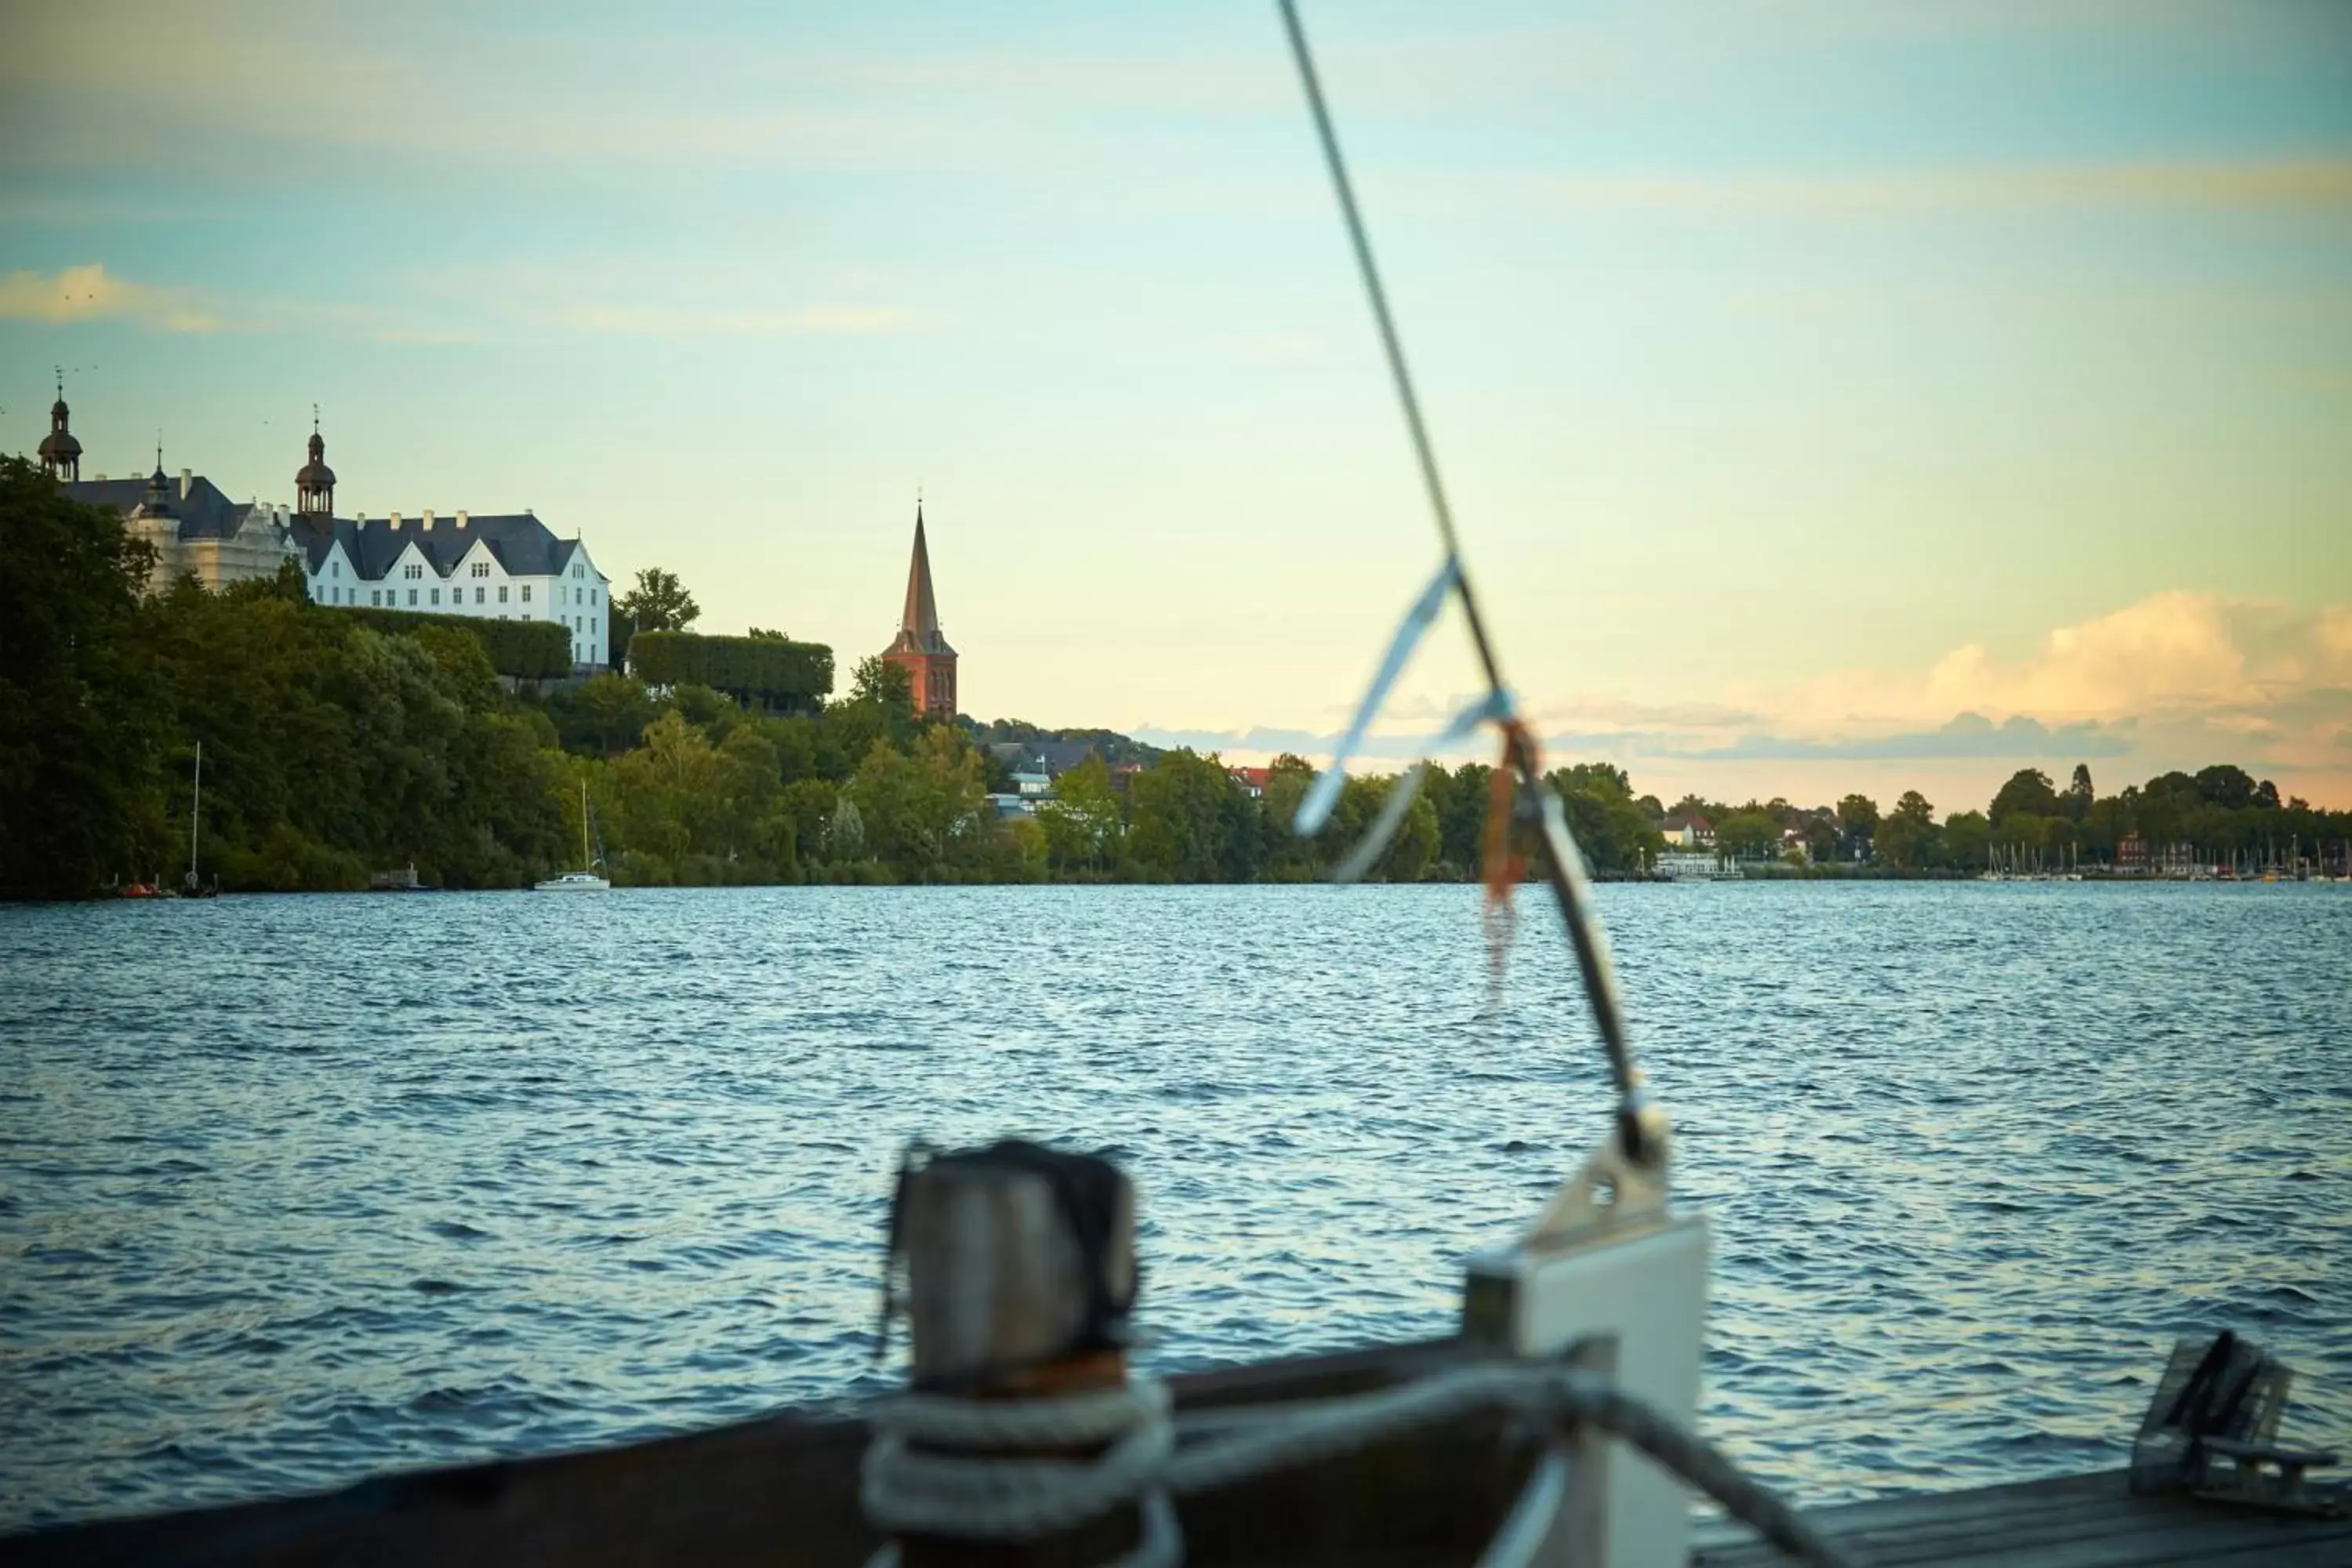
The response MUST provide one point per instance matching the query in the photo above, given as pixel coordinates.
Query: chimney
(461, 517)
(183, 484)
(396, 519)
(428, 517)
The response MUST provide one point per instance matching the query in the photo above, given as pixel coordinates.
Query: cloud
(2170, 656)
(2175, 680)
(2305, 184)
(1969, 736)
(670, 321)
(425, 336)
(91, 293)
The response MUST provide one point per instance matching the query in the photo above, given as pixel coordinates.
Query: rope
(989, 1497)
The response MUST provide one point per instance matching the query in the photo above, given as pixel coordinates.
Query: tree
(922, 812)
(2080, 796)
(878, 682)
(1179, 827)
(1461, 800)
(1857, 815)
(1966, 838)
(881, 707)
(1748, 836)
(2225, 785)
(1613, 832)
(604, 715)
(2028, 792)
(658, 602)
(1081, 822)
(79, 757)
(1908, 838)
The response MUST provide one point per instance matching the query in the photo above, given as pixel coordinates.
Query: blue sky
(1833, 396)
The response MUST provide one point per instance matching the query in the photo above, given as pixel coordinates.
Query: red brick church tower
(920, 650)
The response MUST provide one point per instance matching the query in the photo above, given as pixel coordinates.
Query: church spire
(920, 620)
(920, 649)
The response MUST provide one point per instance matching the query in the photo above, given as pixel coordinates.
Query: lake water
(297, 1189)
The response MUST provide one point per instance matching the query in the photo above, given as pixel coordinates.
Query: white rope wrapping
(990, 1497)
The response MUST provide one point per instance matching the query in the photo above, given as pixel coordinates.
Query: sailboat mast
(195, 812)
(584, 863)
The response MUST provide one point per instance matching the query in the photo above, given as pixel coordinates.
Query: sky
(1832, 396)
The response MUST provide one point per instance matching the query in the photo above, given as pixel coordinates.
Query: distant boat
(585, 880)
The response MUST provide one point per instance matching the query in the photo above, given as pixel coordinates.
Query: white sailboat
(586, 879)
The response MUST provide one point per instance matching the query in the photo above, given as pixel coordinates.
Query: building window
(502, 596)
(481, 593)
(592, 595)
(437, 595)
(412, 596)
(526, 593)
(336, 567)
(481, 568)
(375, 597)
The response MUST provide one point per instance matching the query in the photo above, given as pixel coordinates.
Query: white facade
(448, 566)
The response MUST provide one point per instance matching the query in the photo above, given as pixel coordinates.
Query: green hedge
(788, 674)
(528, 650)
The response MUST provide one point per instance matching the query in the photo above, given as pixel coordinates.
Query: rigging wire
(1641, 1126)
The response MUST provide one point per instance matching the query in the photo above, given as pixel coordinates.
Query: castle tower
(919, 648)
(61, 454)
(314, 482)
(159, 490)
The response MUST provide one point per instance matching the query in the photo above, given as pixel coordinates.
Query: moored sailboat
(587, 880)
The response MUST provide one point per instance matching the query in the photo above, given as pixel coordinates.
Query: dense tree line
(338, 745)
(2218, 813)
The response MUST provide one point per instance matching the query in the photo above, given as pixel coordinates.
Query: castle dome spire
(159, 486)
(314, 482)
(59, 453)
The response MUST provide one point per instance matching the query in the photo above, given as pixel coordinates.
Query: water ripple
(296, 1190)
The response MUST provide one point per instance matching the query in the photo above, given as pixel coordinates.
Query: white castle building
(509, 566)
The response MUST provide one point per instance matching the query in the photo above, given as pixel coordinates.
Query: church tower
(920, 649)
(61, 454)
(314, 482)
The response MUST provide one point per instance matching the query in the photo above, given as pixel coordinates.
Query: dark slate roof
(521, 545)
(1052, 758)
(205, 514)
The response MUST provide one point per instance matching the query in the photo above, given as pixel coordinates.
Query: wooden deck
(2074, 1521)
(782, 1492)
